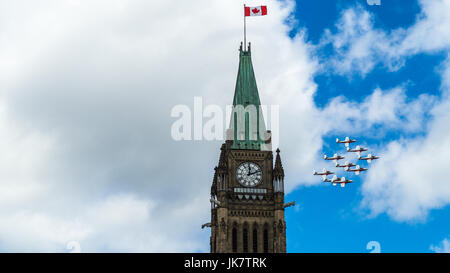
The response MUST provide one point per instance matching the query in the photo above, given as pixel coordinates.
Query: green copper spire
(246, 91)
(247, 121)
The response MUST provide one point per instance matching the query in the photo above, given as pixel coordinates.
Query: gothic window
(245, 240)
(247, 127)
(266, 240)
(255, 240)
(234, 239)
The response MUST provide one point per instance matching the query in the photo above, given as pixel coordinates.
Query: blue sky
(330, 219)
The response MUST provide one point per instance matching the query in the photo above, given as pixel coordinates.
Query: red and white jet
(335, 180)
(324, 173)
(347, 141)
(357, 170)
(335, 158)
(332, 180)
(357, 150)
(369, 158)
(346, 166)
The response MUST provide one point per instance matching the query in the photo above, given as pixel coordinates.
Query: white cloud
(359, 46)
(444, 247)
(86, 94)
(430, 32)
(410, 180)
(386, 109)
(121, 222)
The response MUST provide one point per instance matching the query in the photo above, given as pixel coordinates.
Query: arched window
(266, 241)
(245, 239)
(234, 239)
(255, 240)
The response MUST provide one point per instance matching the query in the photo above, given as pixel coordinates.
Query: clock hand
(248, 164)
(254, 172)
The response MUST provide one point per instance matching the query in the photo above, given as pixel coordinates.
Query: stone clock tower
(247, 192)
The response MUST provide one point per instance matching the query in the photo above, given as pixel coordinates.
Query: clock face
(249, 174)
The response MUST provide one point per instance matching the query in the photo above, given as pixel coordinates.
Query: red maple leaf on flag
(255, 11)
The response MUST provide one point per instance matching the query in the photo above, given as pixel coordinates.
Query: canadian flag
(255, 11)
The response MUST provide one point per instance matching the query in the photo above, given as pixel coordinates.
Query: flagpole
(245, 42)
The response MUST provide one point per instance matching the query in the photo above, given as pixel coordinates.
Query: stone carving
(223, 225)
(280, 226)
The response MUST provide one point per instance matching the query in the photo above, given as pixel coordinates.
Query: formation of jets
(347, 165)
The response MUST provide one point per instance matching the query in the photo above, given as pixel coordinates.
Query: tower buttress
(279, 226)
